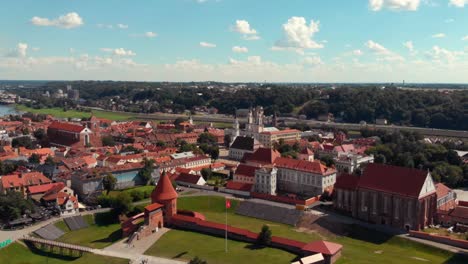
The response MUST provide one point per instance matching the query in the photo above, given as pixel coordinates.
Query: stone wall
(440, 239)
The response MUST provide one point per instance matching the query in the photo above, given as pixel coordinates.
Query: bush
(137, 195)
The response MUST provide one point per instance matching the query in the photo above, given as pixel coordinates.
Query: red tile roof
(164, 190)
(67, 127)
(263, 155)
(393, 179)
(442, 190)
(246, 170)
(347, 181)
(153, 206)
(239, 186)
(324, 247)
(42, 188)
(188, 178)
(304, 165)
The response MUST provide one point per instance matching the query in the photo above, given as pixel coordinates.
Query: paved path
(436, 244)
(137, 246)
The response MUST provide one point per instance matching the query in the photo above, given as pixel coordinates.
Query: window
(363, 202)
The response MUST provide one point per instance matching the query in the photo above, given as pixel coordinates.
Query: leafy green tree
(49, 161)
(327, 160)
(145, 173)
(207, 138)
(123, 203)
(448, 174)
(108, 141)
(34, 158)
(264, 237)
(206, 173)
(109, 182)
(22, 142)
(13, 205)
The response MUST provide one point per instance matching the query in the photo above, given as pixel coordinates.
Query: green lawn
(19, 254)
(186, 245)
(58, 112)
(103, 230)
(145, 189)
(359, 246)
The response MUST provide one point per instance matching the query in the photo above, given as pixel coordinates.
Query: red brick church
(388, 195)
(63, 134)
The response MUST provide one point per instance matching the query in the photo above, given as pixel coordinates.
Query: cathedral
(255, 128)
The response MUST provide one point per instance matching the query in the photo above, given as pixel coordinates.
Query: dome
(164, 190)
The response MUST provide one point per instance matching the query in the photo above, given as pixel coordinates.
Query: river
(7, 110)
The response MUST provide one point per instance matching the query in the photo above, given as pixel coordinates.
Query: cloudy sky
(235, 40)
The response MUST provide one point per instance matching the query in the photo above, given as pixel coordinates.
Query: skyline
(235, 41)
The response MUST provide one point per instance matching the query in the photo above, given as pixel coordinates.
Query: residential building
(242, 145)
(349, 162)
(63, 134)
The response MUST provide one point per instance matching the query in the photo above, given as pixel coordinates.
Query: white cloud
(207, 45)
(449, 20)
(465, 38)
(239, 49)
(298, 35)
(409, 45)
(20, 51)
(35, 49)
(438, 35)
(438, 54)
(407, 5)
(313, 61)
(150, 34)
(243, 27)
(358, 52)
(459, 3)
(70, 20)
(122, 26)
(383, 53)
(119, 51)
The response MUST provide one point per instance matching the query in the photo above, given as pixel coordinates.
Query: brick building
(399, 197)
(62, 134)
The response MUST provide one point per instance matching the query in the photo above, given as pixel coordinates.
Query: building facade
(388, 195)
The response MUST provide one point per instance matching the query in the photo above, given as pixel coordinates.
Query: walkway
(137, 246)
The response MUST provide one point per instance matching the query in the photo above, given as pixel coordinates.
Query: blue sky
(236, 40)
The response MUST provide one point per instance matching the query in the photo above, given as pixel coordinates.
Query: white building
(349, 162)
(310, 178)
(265, 180)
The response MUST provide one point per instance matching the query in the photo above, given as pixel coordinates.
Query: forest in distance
(434, 108)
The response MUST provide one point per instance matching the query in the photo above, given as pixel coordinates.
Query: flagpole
(225, 233)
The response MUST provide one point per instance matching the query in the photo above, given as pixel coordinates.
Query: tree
(448, 174)
(264, 237)
(49, 161)
(22, 142)
(122, 204)
(453, 158)
(109, 182)
(327, 160)
(207, 138)
(13, 205)
(197, 260)
(34, 158)
(146, 172)
(206, 173)
(108, 141)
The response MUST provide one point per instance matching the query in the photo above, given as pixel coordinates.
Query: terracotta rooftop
(246, 170)
(304, 165)
(442, 190)
(263, 155)
(393, 179)
(324, 247)
(67, 127)
(164, 190)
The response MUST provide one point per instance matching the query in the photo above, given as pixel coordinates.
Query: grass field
(186, 245)
(58, 112)
(360, 246)
(103, 230)
(144, 189)
(19, 254)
